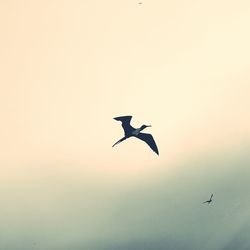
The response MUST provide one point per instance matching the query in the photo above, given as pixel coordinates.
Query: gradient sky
(68, 68)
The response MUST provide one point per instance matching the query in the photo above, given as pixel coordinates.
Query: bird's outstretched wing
(148, 138)
(211, 196)
(125, 123)
(124, 138)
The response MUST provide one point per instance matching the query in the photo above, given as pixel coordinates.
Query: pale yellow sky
(69, 67)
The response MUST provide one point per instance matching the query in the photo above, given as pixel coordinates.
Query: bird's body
(209, 201)
(130, 131)
(136, 131)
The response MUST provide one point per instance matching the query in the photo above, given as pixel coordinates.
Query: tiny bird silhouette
(129, 131)
(210, 200)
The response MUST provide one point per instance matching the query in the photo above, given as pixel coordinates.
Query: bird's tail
(124, 138)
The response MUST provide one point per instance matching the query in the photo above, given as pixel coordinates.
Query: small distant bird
(210, 200)
(140, 3)
(129, 131)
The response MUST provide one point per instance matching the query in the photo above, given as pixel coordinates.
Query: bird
(210, 200)
(130, 131)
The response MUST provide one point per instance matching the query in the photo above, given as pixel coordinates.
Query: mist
(62, 209)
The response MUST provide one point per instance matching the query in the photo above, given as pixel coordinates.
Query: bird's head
(145, 126)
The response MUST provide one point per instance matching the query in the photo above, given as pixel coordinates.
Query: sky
(68, 68)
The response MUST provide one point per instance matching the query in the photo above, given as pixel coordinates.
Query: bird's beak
(149, 126)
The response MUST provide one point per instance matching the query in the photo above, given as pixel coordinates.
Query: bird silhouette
(130, 131)
(210, 200)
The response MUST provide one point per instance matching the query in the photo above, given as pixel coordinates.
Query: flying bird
(210, 200)
(130, 131)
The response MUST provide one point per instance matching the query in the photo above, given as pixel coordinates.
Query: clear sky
(69, 67)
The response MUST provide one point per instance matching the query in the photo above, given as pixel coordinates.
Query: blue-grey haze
(163, 214)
